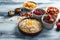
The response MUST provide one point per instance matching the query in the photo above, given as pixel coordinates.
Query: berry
(49, 16)
(58, 25)
(38, 12)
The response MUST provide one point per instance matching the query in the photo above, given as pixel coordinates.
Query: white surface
(9, 30)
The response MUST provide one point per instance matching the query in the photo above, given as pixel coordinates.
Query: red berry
(58, 25)
(34, 12)
(49, 16)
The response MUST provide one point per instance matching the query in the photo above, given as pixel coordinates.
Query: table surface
(9, 29)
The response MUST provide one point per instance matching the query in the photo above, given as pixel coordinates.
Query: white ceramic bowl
(47, 25)
(38, 16)
(31, 2)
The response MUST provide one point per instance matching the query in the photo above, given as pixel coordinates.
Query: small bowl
(28, 7)
(54, 11)
(38, 16)
(47, 25)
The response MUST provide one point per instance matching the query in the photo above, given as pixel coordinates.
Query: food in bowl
(30, 26)
(11, 13)
(38, 11)
(30, 5)
(17, 10)
(48, 19)
(58, 24)
(27, 14)
(53, 11)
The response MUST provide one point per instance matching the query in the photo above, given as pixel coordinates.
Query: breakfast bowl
(30, 26)
(54, 11)
(30, 5)
(48, 21)
(38, 13)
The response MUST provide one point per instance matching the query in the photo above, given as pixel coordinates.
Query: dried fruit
(11, 13)
(28, 14)
(17, 10)
(51, 20)
(53, 11)
(38, 12)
